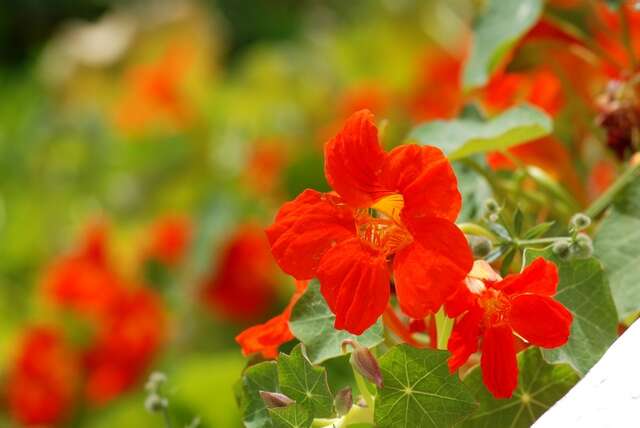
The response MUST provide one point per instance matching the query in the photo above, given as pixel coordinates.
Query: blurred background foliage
(175, 129)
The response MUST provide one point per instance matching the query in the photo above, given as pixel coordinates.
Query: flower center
(496, 306)
(380, 226)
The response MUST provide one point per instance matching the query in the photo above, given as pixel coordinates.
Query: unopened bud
(155, 403)
(561, 249)
(582, 248)
(156, 379)
(364, 362)
(579, 222)
(343, 401)
(480, 245)
(491, 206)
(275, 399)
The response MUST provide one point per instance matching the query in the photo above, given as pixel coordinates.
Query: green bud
(480, 245)
(582, 247)
(364, 362)
(561, 249)
(155, 403)
(491, 206)
(579, 222)
(155, 381)
(343, 401)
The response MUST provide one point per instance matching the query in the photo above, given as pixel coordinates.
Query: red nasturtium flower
(493, 309)
(43, 379)
(266, 338)
(242, 284)
(395, 207)
(170, 238)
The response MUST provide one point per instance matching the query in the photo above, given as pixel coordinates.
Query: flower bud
(155, 403)
(561, 249)
(582, 247)
(275, 399)
(364, 362)
(579, 222)
(343, 401)
(480, 245)
(156, 379)
(491, 206)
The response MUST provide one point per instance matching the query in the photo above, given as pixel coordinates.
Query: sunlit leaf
(292, 416)
(261, 377)
(500, 25)
(419, 391)
(617, 245)
(312, 323)
(540, 385)
(304, 383)
(583, 289)
(460, 138)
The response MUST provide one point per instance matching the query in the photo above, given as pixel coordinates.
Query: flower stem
(521, 242)
(364, 390)
(601, 203)
(167, 419)
(444, 325)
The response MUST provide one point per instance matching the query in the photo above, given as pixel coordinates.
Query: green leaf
(474, 190)
(540, 385)
(495, 32)
(261, 377)
(292, 416)
(419, 391)
(617, 245)
(312, 323)
(538, 230)
(304, 383)
(460, 138)
(583, 289)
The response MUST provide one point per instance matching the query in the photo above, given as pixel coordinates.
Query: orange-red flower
(243, 284)
(396, 207)
(493, 309)
(266, 338)
(43, 379)
(170, 238)
(155, 92)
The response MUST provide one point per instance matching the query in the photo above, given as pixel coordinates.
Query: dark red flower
(243, 284)
(394, 207)
(266, 338)
(126, 342)
(495, 309)
(43, 379)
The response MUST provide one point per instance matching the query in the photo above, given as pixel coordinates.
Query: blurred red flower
(155, 92)
(336, 239)
(170, 239)
(43, 378)
(242, 285)
(493, 309)
(268, 337)
(125, 344)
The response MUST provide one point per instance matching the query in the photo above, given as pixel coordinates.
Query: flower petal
(464, 339)
(424, 177)
(431, 269)
(354, 159)
(499, 364)
(354, 281)
(540, 320)
(306, 228)
(540, 277)
(265, 338)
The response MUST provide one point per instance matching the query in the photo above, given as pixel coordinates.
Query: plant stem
(601, 203)
(444, 325)
(364, 390)
(521, 242)
(167, 420)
